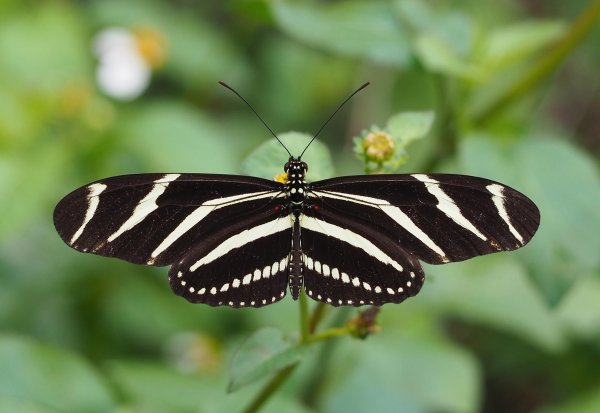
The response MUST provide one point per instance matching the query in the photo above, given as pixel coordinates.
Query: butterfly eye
(287, 167)
(304, 167)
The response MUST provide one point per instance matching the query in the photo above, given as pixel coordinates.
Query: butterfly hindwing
(244, 264)
(350, 263)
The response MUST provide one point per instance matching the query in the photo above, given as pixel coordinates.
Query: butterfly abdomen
(295, 190)
(295, 266)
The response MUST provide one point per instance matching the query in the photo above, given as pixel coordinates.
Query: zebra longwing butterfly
(242, 241)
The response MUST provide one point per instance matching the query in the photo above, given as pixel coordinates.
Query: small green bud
(378, 146)
(364, 323)
(384, 150)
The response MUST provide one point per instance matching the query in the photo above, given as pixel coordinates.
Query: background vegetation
(514, 88)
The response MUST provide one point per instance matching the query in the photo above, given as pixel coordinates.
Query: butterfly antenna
(332, 115)
(257, 115)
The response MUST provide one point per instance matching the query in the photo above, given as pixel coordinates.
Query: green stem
(446, 118)
(270, 388)
(305, 337)
(546, 65)
(316, 317)
(315, 381)
(304, 319)
(329, 333)
(282, 376)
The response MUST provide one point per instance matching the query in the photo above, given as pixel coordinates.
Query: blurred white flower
(126, 59)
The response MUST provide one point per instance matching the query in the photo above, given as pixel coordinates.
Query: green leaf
(172, 136)
(579, 311)
(162, 315)
(441, 22)
(408, 126)
(407, 373)
(47, 39)
(35, 190)
(23, 406)
(443, 39)
(565, 184)
(264, 353)
(494, 291)
(439, 57)
(447, 41)
(583, 403)
(42, 378)
(359, 29)
(157, 388)
(163, 389)
(268, 159)
(518, 41)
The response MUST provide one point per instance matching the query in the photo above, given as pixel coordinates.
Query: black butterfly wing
(224, 236)
(244, 264)
(155, 219)
(229, 244)
(438, 218)
(349, 262)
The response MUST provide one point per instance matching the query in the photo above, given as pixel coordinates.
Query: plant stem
(315, 381)
(329, 333)
(304, 320)
(306, 323)
(270, 388)
(546, 65)
(316, 317)
(446, 118)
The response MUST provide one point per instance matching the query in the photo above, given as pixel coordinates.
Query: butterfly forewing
(437, 218)
(156, 218)
(350, 263)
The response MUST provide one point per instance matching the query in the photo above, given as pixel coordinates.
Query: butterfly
(243, 241)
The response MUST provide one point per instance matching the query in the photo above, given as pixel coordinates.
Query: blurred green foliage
(515, 332)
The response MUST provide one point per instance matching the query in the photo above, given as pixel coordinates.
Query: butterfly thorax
(295, 192)
(295, 187)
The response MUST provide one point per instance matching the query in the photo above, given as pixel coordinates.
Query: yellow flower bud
(378, 146)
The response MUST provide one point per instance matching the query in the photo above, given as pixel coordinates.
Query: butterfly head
(295, 166)
(295, 187)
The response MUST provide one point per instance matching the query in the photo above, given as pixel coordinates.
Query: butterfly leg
(295, 262)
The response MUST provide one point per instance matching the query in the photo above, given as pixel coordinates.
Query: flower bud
(378, 146)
